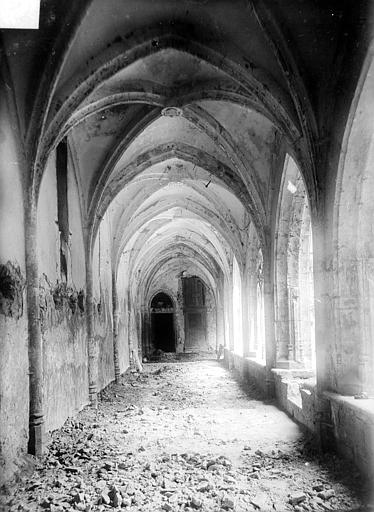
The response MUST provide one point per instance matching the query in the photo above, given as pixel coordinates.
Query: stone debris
(327, 494)
(259, 501)
(297, 498)
(196, 502)
(228, 503)
(141, 452)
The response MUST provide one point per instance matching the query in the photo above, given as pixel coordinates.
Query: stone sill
(294, 373)
(361, 407)
(299, 385)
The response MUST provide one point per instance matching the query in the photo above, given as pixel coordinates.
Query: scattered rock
(104, 498)
(91, 466)
(204, 486)
(318, 487)
(259, 502)
(326, 495)
(297, 497)
(79, 497)
(130, 489)
(214, 467)
(227, 503)
(73, 469)
(196, 502)
(115, 497)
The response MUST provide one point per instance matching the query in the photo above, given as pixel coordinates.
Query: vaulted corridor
(186, 437)
(185, 180)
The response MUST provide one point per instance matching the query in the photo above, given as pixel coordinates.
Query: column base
(92, 394)
(36, 443)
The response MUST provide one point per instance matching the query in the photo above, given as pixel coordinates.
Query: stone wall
(350, 422)
(14, 399)
(14, 380)
(62, 304)
(295, 393)
(353, 427)
(65, 384)
(103, 307)
(249, 370)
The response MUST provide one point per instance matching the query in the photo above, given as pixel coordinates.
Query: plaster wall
(211, 313)
(14, 382)
(77, 268)
(48, 234)
(14, 394)
(123, 345)
(65, 383)
(335, 264)
(123, 342)
(103, 308)
(63, 320)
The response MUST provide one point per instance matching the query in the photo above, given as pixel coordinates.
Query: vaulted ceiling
(178, 115)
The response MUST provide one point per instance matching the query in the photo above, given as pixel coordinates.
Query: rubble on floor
(184, 437)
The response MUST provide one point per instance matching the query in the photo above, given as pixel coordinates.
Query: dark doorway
(162, 323)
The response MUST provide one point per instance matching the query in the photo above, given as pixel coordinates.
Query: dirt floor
(185, 436)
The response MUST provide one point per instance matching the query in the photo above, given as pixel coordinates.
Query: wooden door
(194, 314)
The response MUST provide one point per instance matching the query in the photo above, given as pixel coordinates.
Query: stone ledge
(353, 422)
(364, 407)
(294, 373)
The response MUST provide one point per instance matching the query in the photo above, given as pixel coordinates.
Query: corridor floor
(184, 436)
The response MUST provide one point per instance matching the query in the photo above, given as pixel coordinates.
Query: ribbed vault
(173, 144)
(192, 148)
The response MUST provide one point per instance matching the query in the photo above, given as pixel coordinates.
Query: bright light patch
(291, 187)
(19, 14)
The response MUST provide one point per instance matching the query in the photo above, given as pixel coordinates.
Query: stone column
(36, 413)
(115, 305)
(220, 316)
(245, 318)
(230, 311)
(252, 312)
(91, 342)
(270, 345)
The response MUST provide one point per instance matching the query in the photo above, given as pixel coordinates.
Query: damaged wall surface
(143, 144)
(14, 381)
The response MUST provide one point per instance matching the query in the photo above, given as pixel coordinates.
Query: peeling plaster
(12, 284)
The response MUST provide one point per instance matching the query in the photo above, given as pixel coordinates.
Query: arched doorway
(162, 323)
